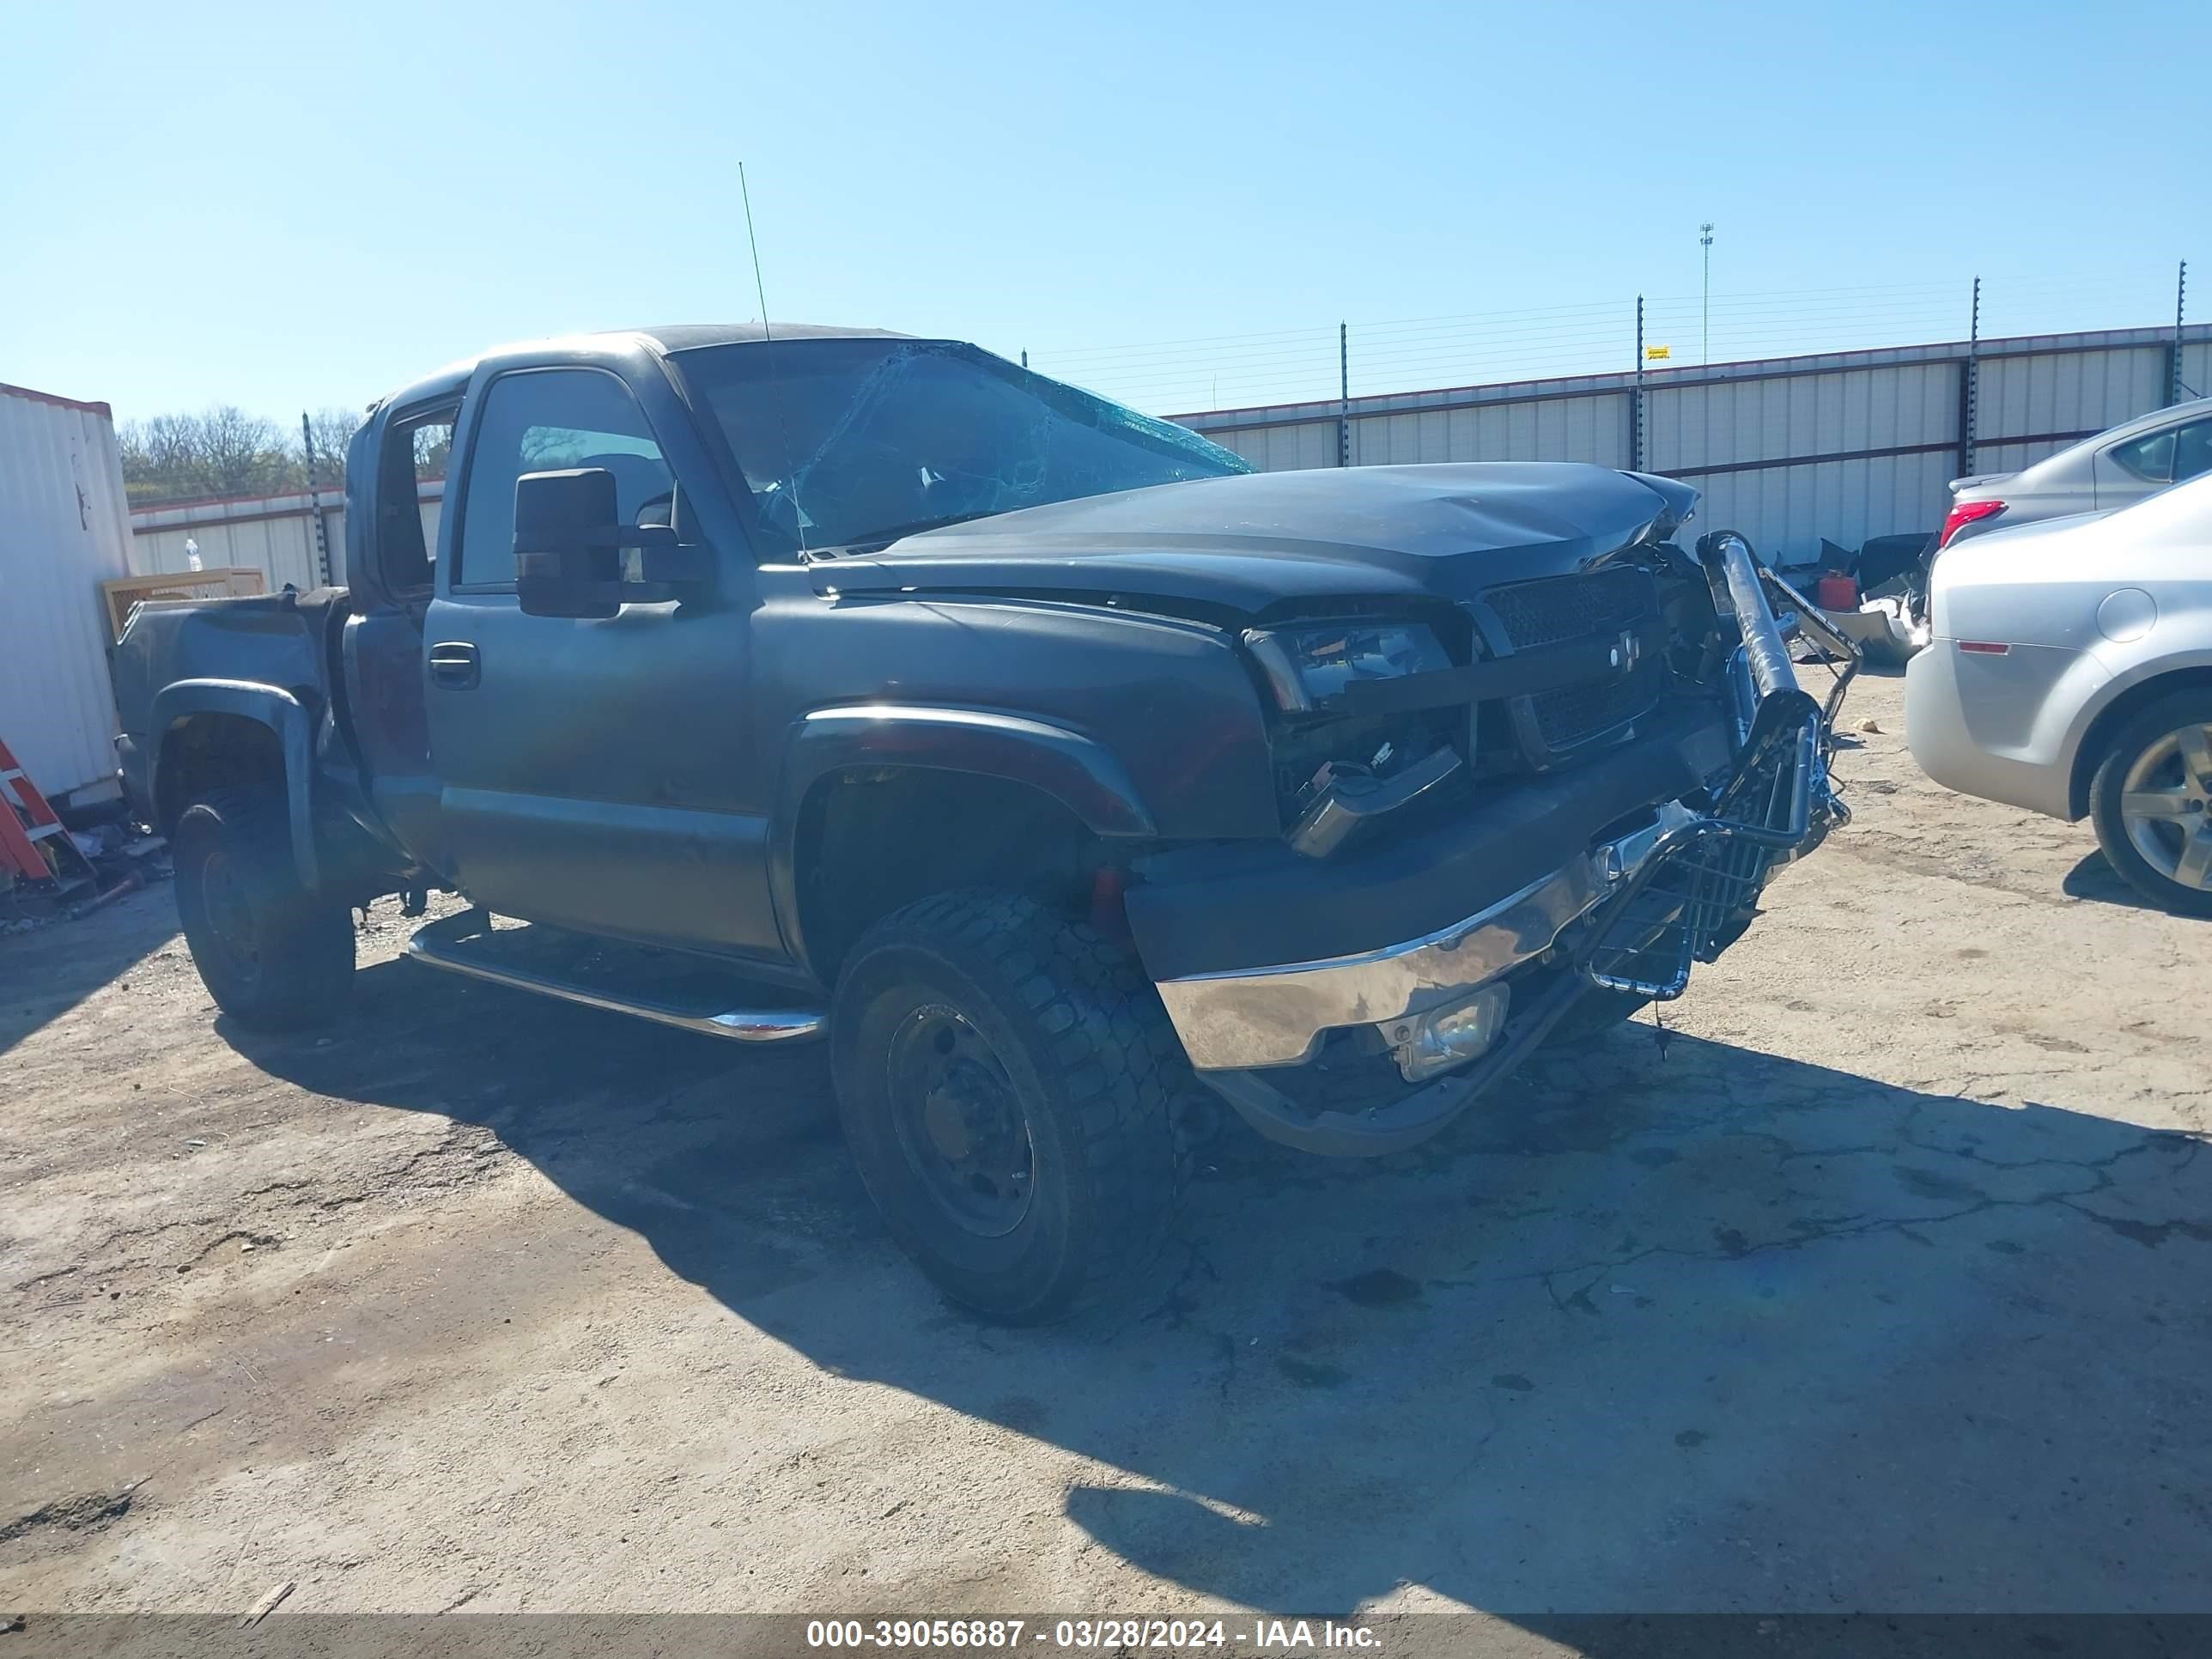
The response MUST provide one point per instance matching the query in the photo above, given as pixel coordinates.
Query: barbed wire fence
(1362, 358)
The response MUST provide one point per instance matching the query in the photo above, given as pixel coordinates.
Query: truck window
(407, 525)
(538, 421)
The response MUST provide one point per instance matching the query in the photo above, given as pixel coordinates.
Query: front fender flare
(1077, 771)
(265, 705)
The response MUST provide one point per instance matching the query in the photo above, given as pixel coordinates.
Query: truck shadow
(48, 971)
(1694, 1329)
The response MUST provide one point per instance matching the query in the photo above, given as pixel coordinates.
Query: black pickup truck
(1042, 756)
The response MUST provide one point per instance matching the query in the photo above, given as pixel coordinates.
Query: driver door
(589, 768)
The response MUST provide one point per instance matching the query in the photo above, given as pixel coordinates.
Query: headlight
(1310, 663)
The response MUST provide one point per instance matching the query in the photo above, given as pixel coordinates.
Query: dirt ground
(1881, 1283)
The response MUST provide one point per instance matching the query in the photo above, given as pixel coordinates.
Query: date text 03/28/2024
(1012, 1635)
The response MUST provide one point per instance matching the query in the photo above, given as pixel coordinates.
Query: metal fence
(1841, 446)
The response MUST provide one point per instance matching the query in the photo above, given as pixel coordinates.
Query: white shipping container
(64, 528)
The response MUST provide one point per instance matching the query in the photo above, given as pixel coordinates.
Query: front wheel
(2152, 803)
(1007, 1081)
(273, 953)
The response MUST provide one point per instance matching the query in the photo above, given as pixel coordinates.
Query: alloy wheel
(2165, 807)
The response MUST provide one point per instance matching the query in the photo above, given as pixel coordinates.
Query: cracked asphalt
(1878, 1283)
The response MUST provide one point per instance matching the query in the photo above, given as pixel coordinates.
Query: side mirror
(569, 545)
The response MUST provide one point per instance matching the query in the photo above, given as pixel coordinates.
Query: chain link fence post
(1636, 398)
(1344, 394)
(1970, 375)
(2174, 385)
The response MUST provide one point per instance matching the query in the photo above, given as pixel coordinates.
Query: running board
(458, 944)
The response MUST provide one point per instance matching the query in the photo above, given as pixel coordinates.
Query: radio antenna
(768, 339)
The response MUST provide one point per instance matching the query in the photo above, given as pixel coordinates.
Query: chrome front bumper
(1675, 891)
(1277, 1015)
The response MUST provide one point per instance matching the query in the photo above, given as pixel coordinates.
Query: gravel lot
(1882, 1284)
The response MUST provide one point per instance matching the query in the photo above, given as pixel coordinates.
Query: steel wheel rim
(960, 1123)
(230, 916)
(2165, 807)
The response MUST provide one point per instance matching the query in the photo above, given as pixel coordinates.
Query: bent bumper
(1628, 913)
(1263, 1017)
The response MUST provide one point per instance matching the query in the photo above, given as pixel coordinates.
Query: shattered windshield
(862, 440)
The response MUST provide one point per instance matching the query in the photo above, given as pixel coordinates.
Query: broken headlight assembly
(1308, 664)
(1336, 776)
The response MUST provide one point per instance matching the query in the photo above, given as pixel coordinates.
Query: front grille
(1558, 609)
(1568, 607)
(1576, 713)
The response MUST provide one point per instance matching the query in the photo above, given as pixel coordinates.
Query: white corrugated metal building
(1841, 446)
(64, 528)
(273, 534)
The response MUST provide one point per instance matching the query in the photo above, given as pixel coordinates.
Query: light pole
(1706, 241)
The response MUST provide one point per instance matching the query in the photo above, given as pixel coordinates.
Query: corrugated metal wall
(273, 534)
(1592, 428)
(64, 528)
(1791, 451)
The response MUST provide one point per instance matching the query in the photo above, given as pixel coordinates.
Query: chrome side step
(456, 944)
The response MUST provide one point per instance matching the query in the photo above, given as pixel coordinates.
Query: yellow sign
(1657, 354)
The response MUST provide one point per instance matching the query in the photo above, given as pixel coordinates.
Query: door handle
(455, 666)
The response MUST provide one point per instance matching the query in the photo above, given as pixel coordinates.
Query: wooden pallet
(227, 582)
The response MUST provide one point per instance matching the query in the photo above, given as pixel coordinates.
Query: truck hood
(1256, 540)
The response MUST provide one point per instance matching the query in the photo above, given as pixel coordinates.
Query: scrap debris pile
(1877, 598)
(119, 857)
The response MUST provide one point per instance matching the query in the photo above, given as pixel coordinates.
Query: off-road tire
(1092, 1062)
(291, 965)
(2146, 726)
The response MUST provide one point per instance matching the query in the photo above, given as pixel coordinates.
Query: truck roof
(666, 337)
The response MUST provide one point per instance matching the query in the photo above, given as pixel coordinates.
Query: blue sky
(303, 205)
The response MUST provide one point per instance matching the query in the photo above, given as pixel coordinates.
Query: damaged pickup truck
(1042, 757)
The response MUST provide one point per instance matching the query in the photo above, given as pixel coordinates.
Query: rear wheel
(272, 952)
(1007, 1081)
(2152, 803)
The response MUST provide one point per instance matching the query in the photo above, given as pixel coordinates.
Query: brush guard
(1699, 889)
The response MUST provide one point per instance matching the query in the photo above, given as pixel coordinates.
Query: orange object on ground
(26, 820)
(1834, 592)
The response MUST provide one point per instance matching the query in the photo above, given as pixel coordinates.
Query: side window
(2192, 451)
(407, 524)
(2150, 457)
(541, 421)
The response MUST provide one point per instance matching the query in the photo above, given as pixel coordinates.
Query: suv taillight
(1964, 514)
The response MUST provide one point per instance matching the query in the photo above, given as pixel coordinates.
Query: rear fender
(269, 706)
(2133, 684)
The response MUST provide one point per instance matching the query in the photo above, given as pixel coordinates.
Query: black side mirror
(568, 544)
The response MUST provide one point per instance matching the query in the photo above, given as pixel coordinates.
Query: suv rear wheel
(2152, 803)
(1008, 1081)
(273, 953)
